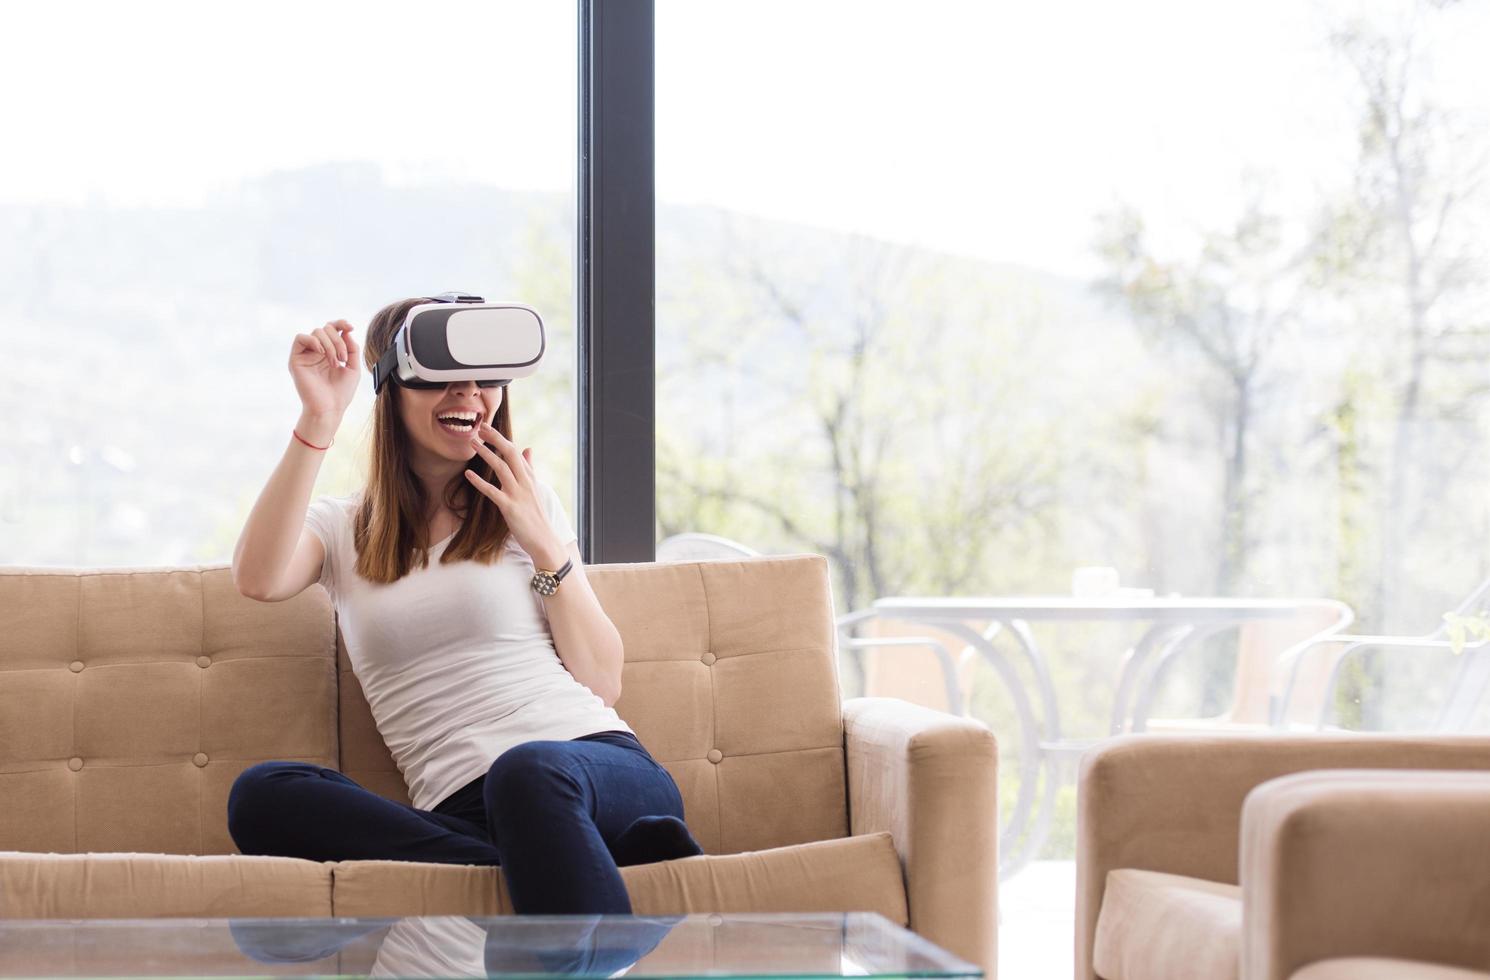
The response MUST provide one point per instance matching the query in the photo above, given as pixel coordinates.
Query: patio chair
(1327, 654)
(916, 662)
(1287, 673)
(1260, 646)
(696, 546)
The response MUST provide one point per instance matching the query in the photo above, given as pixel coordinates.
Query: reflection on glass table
(728, 945)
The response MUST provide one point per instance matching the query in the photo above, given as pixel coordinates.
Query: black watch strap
(545, 582)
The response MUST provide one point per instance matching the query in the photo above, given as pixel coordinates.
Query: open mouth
(458, 423)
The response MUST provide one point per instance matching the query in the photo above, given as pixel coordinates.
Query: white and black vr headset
(461, 337)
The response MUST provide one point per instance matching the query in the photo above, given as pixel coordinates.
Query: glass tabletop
(859, 944)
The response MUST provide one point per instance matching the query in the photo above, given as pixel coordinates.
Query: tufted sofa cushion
(130, 699)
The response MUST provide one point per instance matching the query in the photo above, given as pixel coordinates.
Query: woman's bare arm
(271, 550)
(585, 639)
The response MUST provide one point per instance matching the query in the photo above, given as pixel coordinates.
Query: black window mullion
(615, 317)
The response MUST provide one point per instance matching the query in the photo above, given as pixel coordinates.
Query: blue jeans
(547, 812)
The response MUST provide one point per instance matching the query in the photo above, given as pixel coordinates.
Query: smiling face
(434, 444)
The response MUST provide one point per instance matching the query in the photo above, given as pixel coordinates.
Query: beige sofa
(130, 699)
(1272, 857)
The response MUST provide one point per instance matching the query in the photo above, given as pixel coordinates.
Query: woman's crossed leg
(558, 816)
(301, 810)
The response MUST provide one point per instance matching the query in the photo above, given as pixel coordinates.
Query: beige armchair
(130, 700)
(1284, 858)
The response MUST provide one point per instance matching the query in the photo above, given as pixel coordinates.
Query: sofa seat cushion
(1377, 968)
(130, 885)
(1156, 926)
(845, 874)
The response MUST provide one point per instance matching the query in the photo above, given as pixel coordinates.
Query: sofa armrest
(931, 780)
(1365, 863)
(1173, 803)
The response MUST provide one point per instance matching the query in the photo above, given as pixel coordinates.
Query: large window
(187, 186)
(966, 296)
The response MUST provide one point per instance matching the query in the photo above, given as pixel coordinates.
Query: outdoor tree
(1403, 250)
(1405, 245)
(852, 398)
(1222, 312)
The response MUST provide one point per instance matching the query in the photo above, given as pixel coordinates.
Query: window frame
(615, 283)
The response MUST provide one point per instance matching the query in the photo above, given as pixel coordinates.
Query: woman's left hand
(518, 496)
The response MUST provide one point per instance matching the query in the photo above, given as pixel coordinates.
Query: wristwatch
(546, 582)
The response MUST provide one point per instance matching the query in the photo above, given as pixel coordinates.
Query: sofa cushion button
(715, 755)
(204, 661)
(74, 763)
(199, 760)
(75, 666)
(708, 659)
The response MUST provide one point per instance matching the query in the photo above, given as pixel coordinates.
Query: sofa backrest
(730, 681)
(130, 699)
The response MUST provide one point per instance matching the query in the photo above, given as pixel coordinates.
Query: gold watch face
(545, 583)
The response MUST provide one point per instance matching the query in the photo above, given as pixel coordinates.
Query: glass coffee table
(860, 944)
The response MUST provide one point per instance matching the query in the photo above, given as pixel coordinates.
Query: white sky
(994, 129)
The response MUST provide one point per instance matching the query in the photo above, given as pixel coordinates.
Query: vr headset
(461, 337)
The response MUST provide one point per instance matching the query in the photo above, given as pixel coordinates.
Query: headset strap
(388, 363)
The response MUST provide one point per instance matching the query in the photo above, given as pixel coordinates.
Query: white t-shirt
(432, 946)
(453, 946)
(457, 661)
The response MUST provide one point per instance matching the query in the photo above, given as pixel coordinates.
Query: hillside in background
(154, 400)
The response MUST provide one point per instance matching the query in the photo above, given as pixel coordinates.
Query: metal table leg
(1134, 662)
(1149, 687)
(1012, 855)
(1052, 747)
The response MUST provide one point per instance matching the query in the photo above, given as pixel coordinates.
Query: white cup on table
(1094, 581)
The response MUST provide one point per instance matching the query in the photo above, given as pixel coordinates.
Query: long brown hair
(389, 529)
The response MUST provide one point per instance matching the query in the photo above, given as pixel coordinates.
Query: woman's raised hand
(325, 364)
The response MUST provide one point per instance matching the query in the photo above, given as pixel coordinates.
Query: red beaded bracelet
(322, 448)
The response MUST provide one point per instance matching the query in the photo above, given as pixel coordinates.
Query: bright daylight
(793, 489)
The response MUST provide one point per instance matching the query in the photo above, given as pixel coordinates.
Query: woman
(494, 698)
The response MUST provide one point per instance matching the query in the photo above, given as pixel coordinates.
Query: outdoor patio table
(1174, 624)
